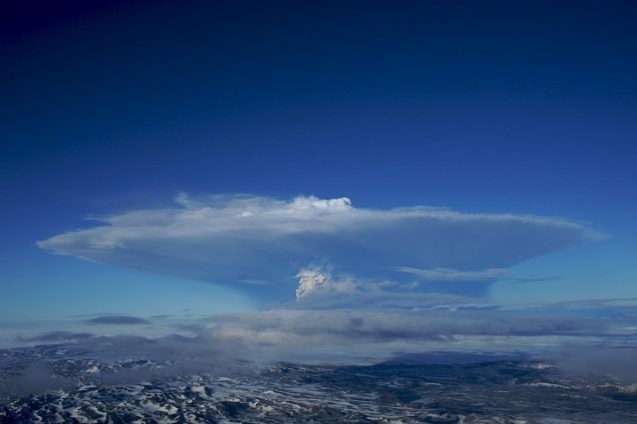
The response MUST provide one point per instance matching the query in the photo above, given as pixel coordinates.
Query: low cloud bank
(568, 334)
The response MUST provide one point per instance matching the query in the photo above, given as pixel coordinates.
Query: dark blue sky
(521, 107)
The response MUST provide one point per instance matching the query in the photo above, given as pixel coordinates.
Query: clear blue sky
(506, 107)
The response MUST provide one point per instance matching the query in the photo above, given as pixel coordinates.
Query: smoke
(239, 240)
(35, 378)
(618, 362)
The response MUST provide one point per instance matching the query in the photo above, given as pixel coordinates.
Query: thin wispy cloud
(453, 275)
(57, 337)
(117, 320)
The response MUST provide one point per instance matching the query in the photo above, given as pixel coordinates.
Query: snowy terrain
(86, 390)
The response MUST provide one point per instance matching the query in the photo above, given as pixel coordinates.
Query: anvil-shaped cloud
(262, 243)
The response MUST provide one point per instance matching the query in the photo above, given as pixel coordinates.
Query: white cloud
(241, 239)
(316, 280)
(452, 275)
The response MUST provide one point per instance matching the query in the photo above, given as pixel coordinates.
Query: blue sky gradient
(501, 107)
